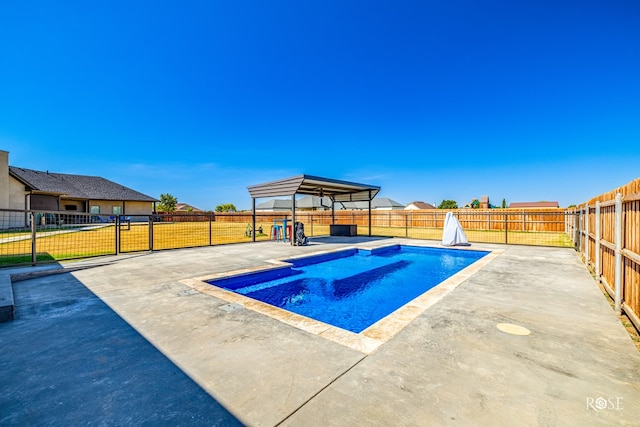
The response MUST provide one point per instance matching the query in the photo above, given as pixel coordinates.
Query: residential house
(483, 203)
(316, 203)
(534, 205)
(384, 204)
(184, 207)
(274, 205)
(22, 188)
(306, 203)
(418, 205)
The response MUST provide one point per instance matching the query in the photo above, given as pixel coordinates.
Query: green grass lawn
(81, 243)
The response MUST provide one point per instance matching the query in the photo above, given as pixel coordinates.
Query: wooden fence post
(581, 232)
(618, 257)
(597, 237)
(586, 234)
(576, 229)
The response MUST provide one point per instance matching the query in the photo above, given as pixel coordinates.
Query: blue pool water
(352, 289)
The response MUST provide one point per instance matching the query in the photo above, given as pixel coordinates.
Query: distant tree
(167, 203)
(189, 209)
(448, 204)
(226, 207)
(475, 204)
(504, 203)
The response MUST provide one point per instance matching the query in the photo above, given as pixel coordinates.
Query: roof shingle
(77, 186)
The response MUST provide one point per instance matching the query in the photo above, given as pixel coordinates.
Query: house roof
(385, 202)
(274, 204)
(422, 205)
(309, 202)
(534, 205)
(76, 186)
(184, 207)
(306, 202)
(342, 191)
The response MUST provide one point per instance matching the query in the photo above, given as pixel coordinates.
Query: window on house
(117, 210)
(95, 209)
(70, 208)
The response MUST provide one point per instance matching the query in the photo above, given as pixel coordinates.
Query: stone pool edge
(366, 341)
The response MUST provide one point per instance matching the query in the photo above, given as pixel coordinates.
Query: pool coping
(366, 341)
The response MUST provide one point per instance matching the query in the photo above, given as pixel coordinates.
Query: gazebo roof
(341, 191)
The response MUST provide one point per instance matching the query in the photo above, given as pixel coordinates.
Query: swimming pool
(352, 289)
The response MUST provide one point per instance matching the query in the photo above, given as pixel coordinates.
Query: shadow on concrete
(68, 359)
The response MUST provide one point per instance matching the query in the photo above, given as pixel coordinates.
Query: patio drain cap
(231, 307)
(512, 329)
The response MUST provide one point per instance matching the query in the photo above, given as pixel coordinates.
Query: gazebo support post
(369, 213)
(293, 220)
(253, 218)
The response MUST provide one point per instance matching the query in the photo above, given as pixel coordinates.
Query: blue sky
(430, 100)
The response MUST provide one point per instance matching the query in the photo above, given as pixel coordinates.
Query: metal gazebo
(336, 190)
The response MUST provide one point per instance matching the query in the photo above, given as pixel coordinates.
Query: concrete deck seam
(303, 404)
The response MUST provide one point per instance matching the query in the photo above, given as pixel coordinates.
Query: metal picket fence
(33, 237)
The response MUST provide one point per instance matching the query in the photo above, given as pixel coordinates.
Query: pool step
(341, 286)
(357, 282)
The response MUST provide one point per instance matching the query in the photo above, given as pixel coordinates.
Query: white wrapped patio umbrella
(453, 234)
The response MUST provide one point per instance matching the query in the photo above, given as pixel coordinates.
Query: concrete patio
(131, 340)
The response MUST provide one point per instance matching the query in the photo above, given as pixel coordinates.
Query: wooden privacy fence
(608, 236)
(548, 227)
(552, 220)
